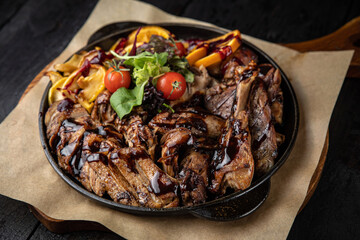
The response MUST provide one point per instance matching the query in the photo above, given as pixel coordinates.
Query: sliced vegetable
(119, 45)
(91, 86)
(172, 85)
(70, 66)
(117, 77)
(223, 50)
(215, 50)
(146, 32)
(196, 54)
(56, 92)
(54, 76)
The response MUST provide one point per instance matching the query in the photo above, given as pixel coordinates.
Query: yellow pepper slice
(55, 92)
(92, 86)
(54, 76)
(70, 66)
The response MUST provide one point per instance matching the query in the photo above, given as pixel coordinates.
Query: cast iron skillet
(229, 207)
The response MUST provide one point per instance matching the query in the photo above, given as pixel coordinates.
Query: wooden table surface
(33, 32)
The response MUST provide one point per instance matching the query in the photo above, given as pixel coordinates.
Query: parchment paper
(26, 175)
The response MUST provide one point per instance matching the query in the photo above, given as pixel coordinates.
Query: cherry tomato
(116, 78)
(180, 51)
(172, 85)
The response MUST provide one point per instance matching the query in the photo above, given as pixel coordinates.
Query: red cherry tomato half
(117, 78)
(172, 85)
(180, 51)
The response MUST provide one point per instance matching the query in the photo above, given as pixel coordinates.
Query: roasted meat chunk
(199, 123)
(171, 143)
(220, 98)
(193, 177)
(233, 164)
(272, 81)
(151, 186)
(102, 111)
(138, 134)
(263, 135)
(96, 156)
(243, 56)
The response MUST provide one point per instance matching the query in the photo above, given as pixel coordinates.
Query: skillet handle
(237, 207)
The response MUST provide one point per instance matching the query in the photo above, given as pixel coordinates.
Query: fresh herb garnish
(145, 65)
(169, 107)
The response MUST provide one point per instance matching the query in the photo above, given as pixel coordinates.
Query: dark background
(33, 32)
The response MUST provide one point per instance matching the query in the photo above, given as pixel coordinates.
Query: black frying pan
(229, 207)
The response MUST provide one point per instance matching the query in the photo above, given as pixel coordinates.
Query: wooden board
(345, 38)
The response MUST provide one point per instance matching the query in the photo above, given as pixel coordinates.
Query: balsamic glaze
(68, 149)
(65, 105)
(161, 184)
(130, 156)
(95, 157)
(70, 126)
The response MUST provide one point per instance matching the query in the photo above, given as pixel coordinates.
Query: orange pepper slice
(196, 54)
(217, 57)
(234, 33)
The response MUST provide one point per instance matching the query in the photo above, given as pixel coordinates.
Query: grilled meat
(193, 177)
(138, 134)
(151, 186)
(199, 123)
(220, 98)
(96, 174)
(263, 135)
(171, 143)
(233, 165)
(96, 156)
(272, 80)
(102, 111)
(241, 57)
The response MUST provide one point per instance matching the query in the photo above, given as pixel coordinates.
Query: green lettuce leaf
(123, 100)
